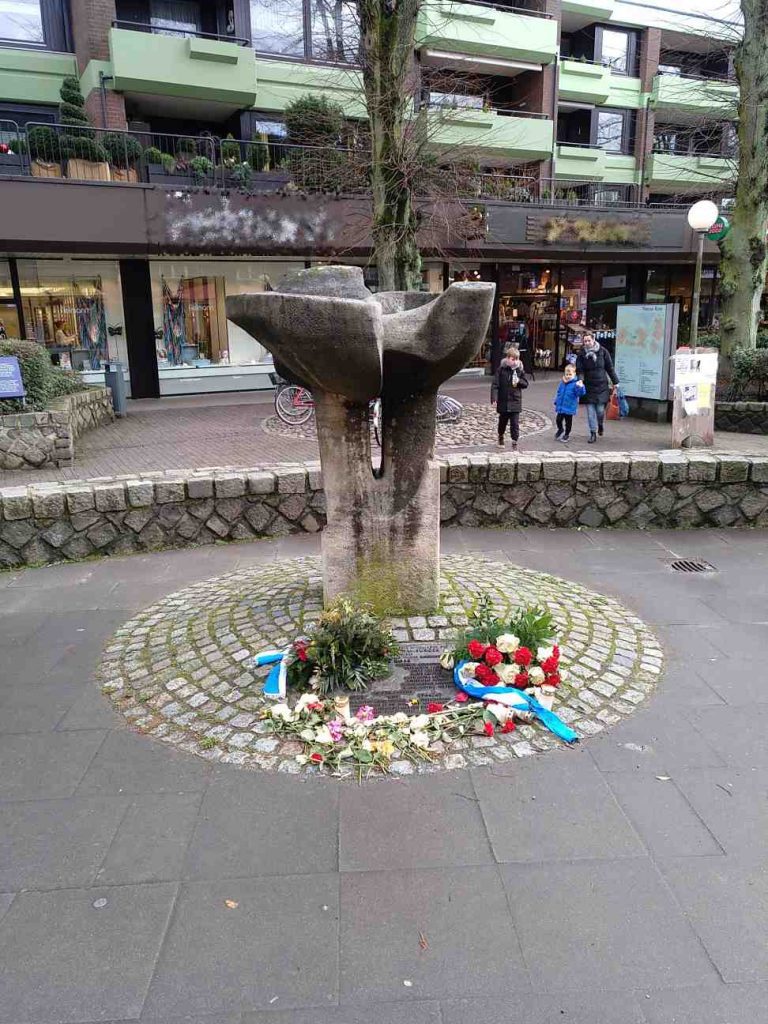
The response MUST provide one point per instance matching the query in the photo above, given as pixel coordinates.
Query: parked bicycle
(294, 405)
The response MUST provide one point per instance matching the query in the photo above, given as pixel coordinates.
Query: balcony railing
(184, 33)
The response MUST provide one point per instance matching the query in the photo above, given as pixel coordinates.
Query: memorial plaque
(417, 675)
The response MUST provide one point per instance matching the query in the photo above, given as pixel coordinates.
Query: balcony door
(175, 17)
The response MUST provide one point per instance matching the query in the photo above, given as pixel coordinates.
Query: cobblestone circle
(180, 670)
(477, 426)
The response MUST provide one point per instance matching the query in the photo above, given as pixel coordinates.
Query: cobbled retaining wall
(742, 417)
(32, 440)
(51, 522)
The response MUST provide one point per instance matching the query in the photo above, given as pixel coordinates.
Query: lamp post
(701, 217)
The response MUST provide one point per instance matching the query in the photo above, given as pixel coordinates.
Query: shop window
(9, 317)
(528, 312)
(21, 21)
(74, 308)
(656, 285)
(608, 291)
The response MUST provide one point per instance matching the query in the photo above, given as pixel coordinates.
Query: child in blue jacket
(567, 402)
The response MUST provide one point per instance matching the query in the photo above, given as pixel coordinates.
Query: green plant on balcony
(169, 162)
(230, 151)
(153, 155)
(86, 158)
(313, 120)
(186, 151)
(242, 173)
(257, 154)
(80, 147)
(201, 167)
(124, 151)
(43, 144)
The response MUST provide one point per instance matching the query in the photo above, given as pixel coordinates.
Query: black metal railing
(184, 33)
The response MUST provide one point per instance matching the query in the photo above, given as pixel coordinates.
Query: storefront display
(9, 317)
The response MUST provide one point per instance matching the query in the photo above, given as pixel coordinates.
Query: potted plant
(44, 149)
(201, 168)
(85, 157)
(266, 175)
(124, 152)
(11, 156)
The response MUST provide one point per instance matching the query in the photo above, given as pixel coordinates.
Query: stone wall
(742, 417)
(31, 440)
(45, 522)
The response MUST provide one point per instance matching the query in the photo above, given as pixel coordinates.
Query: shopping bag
(623, 403)
(613, 412)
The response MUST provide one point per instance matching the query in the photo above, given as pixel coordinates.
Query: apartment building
(577, 132)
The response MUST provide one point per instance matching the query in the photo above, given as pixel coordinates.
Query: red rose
(433, 708)
(4, 147)
(301, 653)
(550, 664)
(523, 657)
(509, 726)
(553, 679)
(461, 698)
(317, 758)
(476, 649)
(556, 651)
(486, 676)
(317, 706)
(488, 728)
(493, 656)
(521, 680)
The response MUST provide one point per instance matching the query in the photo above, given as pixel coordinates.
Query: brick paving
(228, 430)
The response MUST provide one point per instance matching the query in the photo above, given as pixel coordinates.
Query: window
(175, 17)
(335, 32)
(277, 26)
(21, 21)
(618, 50)
(454, 101)
(610, 130)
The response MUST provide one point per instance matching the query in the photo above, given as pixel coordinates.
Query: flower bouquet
(520, 652)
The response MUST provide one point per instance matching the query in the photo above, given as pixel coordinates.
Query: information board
(645, 337)
(11, 385)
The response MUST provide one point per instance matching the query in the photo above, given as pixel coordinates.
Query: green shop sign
(719, 229)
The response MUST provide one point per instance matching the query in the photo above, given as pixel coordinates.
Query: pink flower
(461, 698)
(365, 713)
(336, 729)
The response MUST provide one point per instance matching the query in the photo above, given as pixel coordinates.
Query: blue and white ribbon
(514, 698)
(274, 684)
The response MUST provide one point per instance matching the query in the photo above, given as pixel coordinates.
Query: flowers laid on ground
(366, 742)
(346, 649)
(520, 652)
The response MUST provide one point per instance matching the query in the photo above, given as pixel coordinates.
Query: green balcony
(591, 10)
(489, 137)
(625, 92)
(673, 172)
(280, 82)
(200, 69)
(475, 30)
(584, 82)
(579, 163)
(34, 76)
(672, 94)
(620, 169)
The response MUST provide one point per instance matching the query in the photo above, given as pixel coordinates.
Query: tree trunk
(744, 263)
(388, 31)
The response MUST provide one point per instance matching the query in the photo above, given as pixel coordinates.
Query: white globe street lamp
(701, 217)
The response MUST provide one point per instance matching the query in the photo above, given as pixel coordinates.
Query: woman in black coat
(507, 392)
(595, 367)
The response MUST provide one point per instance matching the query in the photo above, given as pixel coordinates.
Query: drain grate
(691, 565)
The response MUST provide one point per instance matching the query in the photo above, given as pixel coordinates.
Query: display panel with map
(645, 339)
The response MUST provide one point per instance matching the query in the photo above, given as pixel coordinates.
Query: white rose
(323, 735)
(360, 730)
(282, 711)
(420, 739)
(400, 718)
(507, 674)
(467, 670)
(543, 653)
(304, 699)
(446, 660)
(366, 745)
(536, 675)
(308, 735)
(507, 643)
(419, 722)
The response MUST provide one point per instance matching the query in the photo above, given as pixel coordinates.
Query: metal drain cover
(691, 565)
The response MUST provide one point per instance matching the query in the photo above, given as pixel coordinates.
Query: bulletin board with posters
(645, 339)
(694, 380)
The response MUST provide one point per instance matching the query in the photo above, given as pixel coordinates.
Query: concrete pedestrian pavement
(229, 430)
(622, 882)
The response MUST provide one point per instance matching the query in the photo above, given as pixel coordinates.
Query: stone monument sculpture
(348, 346)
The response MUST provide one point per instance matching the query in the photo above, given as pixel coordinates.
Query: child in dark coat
(569, 391)
(507, 392)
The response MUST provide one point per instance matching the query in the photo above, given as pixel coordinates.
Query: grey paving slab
(252, 825)
(392, 827)
(91, 710)
(48, 844)
(682, 688)
(379, 1013)
(150, 843)
(34, 766)
(6, 899)
(561, 809)
(605, 925)
(738, 734)
(463, 916)
(726, 901)
(662, 816)
(654, 741)
(742, 641)
(683, 644)
(63, 959)
(532, 1008)
(17, 627)
(734, 805)
(667, 605)
(130, 763)
(277, 947)
(707, 1004)
(30, 708)
(736, 680)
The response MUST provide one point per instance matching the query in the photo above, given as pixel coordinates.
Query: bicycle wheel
(448, 409)
(294, 405)
(376, 417)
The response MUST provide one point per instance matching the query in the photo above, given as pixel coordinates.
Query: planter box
(11, 163)
(269, 181)
(88, 170)
(124, 173)
(157, 175)
(44, 169)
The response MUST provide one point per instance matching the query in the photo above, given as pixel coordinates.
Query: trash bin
(113, 378)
